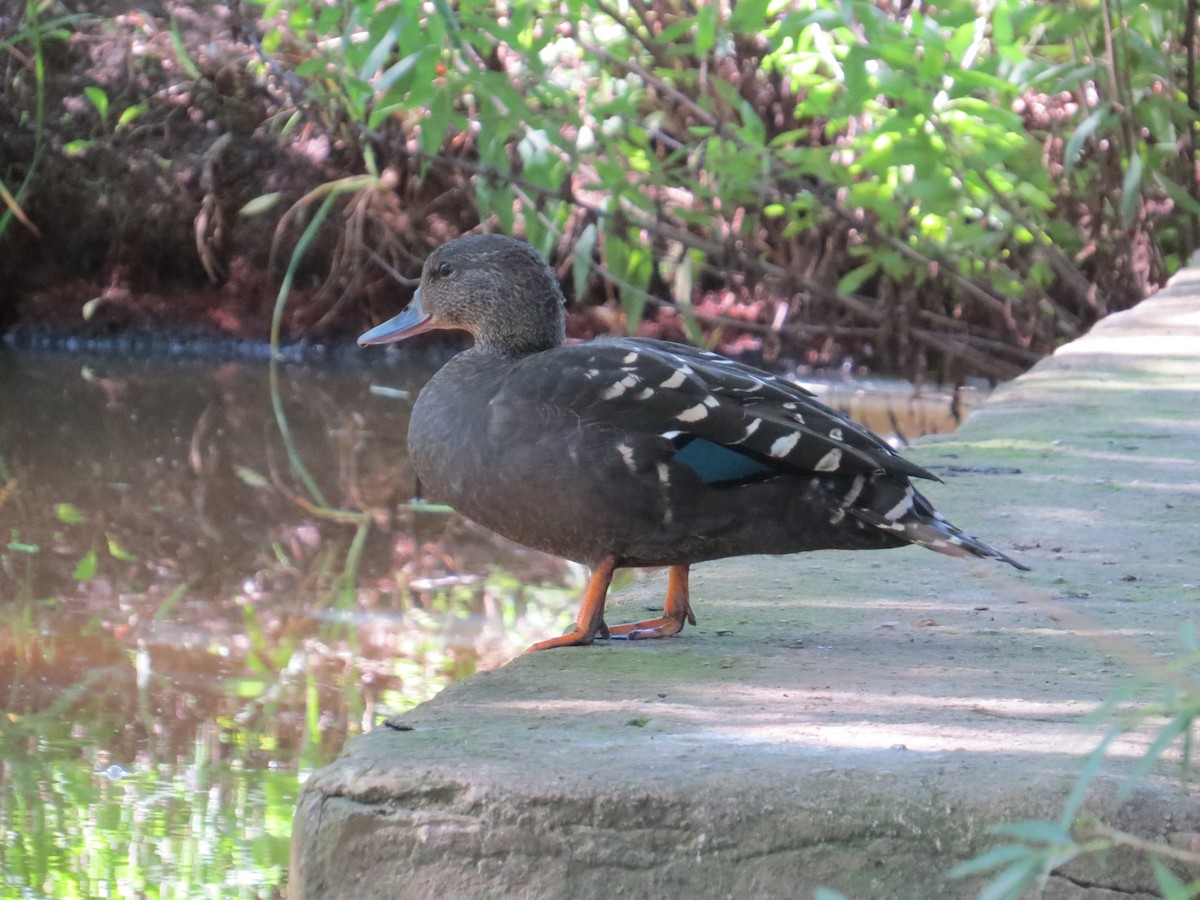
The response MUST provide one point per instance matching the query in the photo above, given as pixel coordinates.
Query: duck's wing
(736, 411)
(649, 403)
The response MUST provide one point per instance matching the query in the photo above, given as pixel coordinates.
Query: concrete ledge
(855, 721)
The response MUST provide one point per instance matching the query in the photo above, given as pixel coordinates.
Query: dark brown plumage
(636, 452)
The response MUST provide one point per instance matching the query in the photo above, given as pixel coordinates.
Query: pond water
(212, 575)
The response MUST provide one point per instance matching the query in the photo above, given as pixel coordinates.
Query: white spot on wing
(898, 511)
(664, 474)
(671, 435)
(630, 358)
(693, 413)
(855, 489)
(829, 462)
(626, 454)
(677, 378)
(710, 401)
(644, 394)
(785, 445)
(613, 392)
(750, 429)
(619, 388)
(835, 433)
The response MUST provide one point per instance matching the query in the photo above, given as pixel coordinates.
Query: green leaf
(498, 199)
(1039, 832)
(69, 514)
(1131, 190)
(271, 41)
(1011, 883)
(997, 856)
(316, 67)
(581, 259)
(855, 278)
(129, 114)
(85, 569)
(245, 688)
(384, 31)
(260, 204)
(1179, 724)
(181, 53)
(752, 129)
(20, 547)
(99, 100)
(1168, 882)
(439, 117)
(169, 602)
(1002, 29)
(250, 478)
(629, 265)
(748, 16)
(1081, 134)
(540, 160)
(1090, 770)
(691, 325)
(397, 71)
(706, 28)
(116, 551)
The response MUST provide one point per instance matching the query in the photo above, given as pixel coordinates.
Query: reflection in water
(186, 629)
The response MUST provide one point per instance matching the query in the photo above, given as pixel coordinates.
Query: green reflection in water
(199, 829)
(132, 767)
(182, 641)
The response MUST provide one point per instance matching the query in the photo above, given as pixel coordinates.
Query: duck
(636, 452)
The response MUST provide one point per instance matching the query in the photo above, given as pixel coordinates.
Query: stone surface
(854, 721)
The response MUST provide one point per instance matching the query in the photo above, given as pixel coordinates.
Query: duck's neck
(527, 327)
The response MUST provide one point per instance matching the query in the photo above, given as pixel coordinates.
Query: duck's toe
(652, 628)
(676, 611)
(590, 620)
(575, 637)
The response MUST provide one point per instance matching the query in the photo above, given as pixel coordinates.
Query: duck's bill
(414, 320)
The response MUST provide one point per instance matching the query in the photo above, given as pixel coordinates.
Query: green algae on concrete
(855, 721)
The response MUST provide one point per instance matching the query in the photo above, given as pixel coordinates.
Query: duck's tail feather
(912, 518)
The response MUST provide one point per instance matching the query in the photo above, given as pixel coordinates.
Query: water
(186, 629)
(206, 588)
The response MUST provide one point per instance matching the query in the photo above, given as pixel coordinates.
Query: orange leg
(676, 610)
(591, 614)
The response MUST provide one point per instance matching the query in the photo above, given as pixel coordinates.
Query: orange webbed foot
(676, 611)
(573, 637)
(590, 621)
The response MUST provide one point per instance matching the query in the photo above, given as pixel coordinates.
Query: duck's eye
(444, 269)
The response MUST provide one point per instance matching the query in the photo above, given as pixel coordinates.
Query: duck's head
(495, 287)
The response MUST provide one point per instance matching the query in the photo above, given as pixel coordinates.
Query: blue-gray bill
(413, 320)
